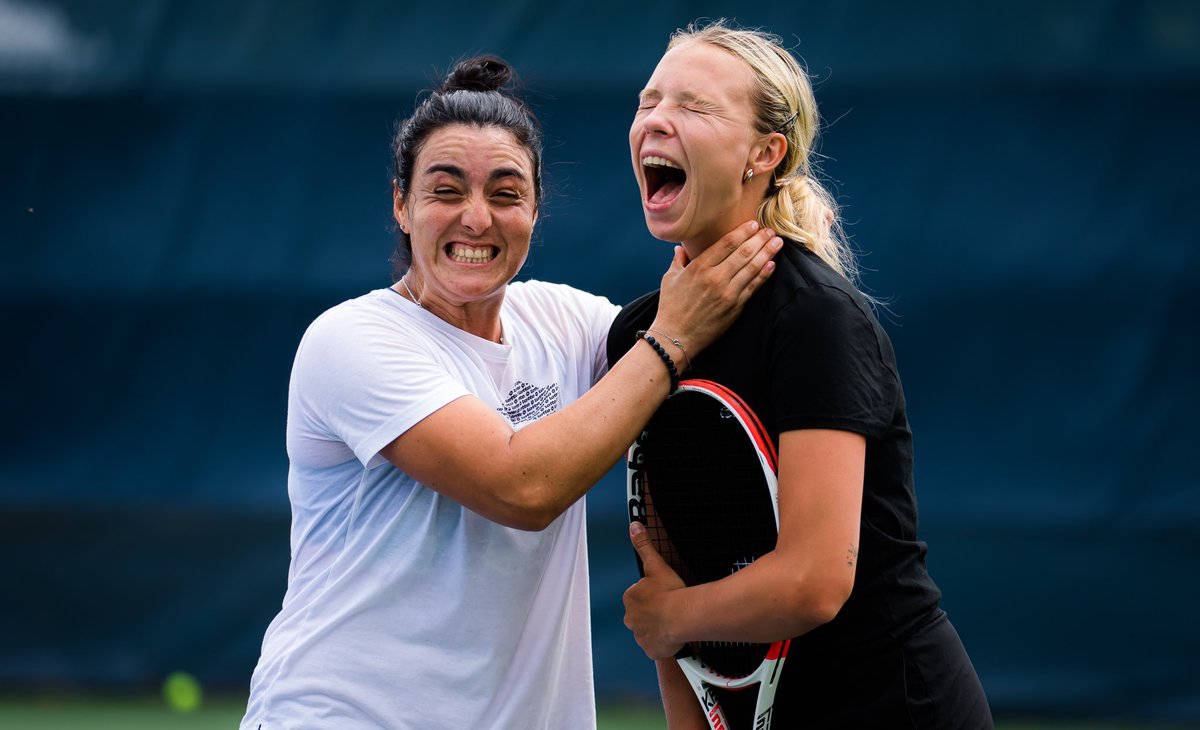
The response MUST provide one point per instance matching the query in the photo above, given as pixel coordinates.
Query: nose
(657, 121)
(476, 215)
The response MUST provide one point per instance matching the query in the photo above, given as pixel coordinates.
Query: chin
(671, 231)
(661, 232)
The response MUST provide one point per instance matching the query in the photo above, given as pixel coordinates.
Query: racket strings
(662, 542)
(708, 508)
(708, 550)
(701, 551)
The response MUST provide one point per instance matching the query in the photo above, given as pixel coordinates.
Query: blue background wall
(185, 185)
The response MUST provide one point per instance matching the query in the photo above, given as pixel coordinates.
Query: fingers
(679, 260)
(652, 562)
(730, 243)
(763, 274)
(735, 250)
(751, 276)
(758, 249)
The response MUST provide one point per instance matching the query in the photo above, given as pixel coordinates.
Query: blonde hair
(796, 206)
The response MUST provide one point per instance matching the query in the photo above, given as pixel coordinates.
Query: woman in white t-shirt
(440, 433)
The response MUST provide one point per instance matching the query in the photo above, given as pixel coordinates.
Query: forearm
(680, 704)
(565, 453)
(775, 597)
(789, 591)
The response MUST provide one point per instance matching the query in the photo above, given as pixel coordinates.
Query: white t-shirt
(405, 609)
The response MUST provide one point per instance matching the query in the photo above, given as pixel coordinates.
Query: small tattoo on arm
(851, 556)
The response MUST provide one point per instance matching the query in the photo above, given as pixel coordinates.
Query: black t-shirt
(808, 352)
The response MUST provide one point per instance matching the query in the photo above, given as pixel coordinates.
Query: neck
(744, 210)
(480, 318)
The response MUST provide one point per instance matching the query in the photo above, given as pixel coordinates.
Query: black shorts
(926, 682)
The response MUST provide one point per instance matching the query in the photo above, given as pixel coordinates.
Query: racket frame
(700, 676)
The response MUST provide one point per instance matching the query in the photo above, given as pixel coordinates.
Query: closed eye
(648, 99)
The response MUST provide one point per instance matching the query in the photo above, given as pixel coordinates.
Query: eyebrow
(689, 97)
(685, 97)
(457, 172)
(500, 172)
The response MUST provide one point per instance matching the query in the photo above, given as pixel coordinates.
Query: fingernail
(770, 266)
(777, 242)
(636, 528)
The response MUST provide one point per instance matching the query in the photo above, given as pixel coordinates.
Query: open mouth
(467, 254)
(664, 179)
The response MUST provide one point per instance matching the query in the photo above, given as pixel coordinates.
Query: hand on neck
(744, 208)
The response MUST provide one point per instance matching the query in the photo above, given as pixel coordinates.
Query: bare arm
(526, 478)
(791, 590)
(679, 701)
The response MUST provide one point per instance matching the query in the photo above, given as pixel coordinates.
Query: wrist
(676, 614)
(680, 353)
(664, 356)
(678, 338)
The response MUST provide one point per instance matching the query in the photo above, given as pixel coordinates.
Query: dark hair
(471, 94)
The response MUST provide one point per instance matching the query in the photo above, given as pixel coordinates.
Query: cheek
(720, 169)
(518, 227)
(425, 227)
(637, 133)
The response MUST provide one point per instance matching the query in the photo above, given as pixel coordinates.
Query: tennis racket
(702, 479)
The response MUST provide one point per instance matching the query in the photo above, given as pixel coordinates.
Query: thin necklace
(422, 306)
(410, 294)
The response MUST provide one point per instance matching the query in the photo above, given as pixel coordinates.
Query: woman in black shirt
(723, 132)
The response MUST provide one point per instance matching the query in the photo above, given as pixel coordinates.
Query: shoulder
(819, 307)
(539, 298)
(806, 288)
(370, 308)
(535, 290)
(825, 336)
(633, 316)
(349, 315)
(637, 315)
(359, 324)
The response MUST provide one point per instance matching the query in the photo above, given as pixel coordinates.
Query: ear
(767, 153)
(399, 212)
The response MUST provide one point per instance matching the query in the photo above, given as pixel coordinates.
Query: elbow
(530, 507)
(829, 603)
(532, 521)
(819, 600)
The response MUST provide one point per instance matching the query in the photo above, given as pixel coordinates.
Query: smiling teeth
(652, 161)
(471, 255)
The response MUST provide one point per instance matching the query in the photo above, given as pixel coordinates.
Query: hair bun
(481, 73)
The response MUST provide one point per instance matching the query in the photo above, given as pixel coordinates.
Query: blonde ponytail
(801, 209)
(796, 206)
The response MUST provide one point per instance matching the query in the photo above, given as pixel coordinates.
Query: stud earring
(749, 174)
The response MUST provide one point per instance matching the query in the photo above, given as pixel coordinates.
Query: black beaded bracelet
(662, 353)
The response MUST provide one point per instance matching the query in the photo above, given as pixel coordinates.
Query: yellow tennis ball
(182, 692)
